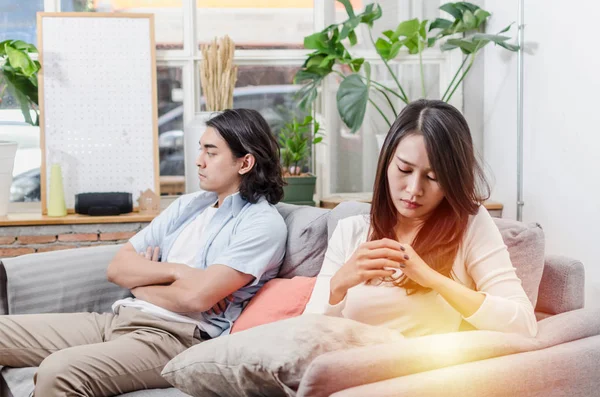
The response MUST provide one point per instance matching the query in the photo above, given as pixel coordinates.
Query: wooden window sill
(34, 219)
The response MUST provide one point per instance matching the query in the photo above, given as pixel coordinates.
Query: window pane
(253, 24)
(354, 156)
(170, 130)
(168, 16)
(18, 20)
(26, 171)
(270, 91)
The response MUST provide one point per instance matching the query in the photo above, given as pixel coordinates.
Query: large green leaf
(510, 47)
(465, 6)
(408, 28)
(395, 49)
(469, 20)
(352, 38)
(2, 47)
(348, 27)
(440, 23)
(491, 37)
(356, 63)
(451, 9)
(16, 92)
(352, 99)
(422, 29)
(21, 45)
(481, 15)
(20, 61)
(316, 41)
(467, 47)
(383, 48)
(371, 14)
(348, 7)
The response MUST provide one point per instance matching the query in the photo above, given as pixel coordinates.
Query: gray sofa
(565, 361)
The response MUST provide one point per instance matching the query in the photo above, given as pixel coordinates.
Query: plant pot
(299, 190)
(8, 150)
(193, 133)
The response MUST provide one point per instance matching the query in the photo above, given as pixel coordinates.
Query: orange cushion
(278, 299)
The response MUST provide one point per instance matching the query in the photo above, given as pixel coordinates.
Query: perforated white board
(99, 104)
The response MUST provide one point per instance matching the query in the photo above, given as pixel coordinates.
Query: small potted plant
(18, 76)
(295, 141)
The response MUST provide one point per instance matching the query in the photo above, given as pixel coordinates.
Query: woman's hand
(373, 259)
(416, 269)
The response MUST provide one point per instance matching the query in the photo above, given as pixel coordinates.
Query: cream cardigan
(482, 264)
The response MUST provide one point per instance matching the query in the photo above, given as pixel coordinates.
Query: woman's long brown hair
(450, 150)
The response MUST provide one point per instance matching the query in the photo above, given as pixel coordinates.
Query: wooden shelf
(33, 219)
(365, 197)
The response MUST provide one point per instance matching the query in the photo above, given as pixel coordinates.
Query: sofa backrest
(307, 242)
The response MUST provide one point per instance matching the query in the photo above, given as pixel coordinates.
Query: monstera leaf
(352, 99)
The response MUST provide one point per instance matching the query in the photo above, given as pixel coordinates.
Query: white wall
(561, 124)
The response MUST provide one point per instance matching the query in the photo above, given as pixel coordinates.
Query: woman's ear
(248, 162)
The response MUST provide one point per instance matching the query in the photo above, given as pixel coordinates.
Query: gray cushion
(62, 281)
(306, 242)
(268, 360)
(525, 244)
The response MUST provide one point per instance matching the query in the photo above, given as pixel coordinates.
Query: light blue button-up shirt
(247, 237)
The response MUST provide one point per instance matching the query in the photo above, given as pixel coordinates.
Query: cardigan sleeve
(506, 307)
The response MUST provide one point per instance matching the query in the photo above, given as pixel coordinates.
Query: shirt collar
(235, 202)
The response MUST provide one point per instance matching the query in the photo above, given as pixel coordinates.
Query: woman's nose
(414, 186)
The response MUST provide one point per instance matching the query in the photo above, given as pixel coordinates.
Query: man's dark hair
(247, 132)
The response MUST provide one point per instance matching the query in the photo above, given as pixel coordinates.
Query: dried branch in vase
(218, 74)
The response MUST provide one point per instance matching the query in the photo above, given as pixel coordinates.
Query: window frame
(323, 15)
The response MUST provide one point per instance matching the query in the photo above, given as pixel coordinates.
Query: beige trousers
(91, 354)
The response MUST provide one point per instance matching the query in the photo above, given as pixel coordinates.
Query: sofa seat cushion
(20, 383)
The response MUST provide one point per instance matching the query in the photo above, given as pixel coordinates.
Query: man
(225, 241)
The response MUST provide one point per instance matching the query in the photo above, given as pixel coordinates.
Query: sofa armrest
(562, 287)
(569, 369)
(61, 281)
(340, 370)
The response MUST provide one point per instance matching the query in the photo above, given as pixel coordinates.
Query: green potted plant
(464, 31)
(18, 76)
(296, 140)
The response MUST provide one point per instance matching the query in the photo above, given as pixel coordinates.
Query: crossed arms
(174, 286)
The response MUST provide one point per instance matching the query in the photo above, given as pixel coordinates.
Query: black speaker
(98, 204)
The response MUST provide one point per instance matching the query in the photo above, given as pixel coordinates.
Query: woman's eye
(431, 178)
(403, 171)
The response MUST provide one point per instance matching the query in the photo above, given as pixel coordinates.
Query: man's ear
(248, 162)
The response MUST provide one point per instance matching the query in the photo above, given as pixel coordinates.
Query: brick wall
(21, 240)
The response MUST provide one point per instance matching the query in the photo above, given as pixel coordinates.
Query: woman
(429, 255)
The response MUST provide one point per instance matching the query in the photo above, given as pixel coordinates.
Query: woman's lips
(411, 204)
